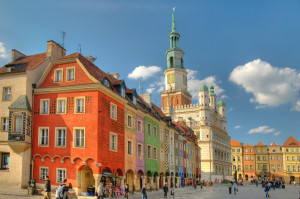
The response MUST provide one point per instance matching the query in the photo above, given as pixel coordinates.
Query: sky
(249, 50)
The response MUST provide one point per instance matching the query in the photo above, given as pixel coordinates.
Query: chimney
(146, 97)
(90, 58)
(16, 55)
(54, 50)
(115, 75)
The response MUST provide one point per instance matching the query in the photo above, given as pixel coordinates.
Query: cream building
(206, 118)
(237, 160)
(17, 79)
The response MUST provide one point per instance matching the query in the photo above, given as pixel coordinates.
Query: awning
(107, 174)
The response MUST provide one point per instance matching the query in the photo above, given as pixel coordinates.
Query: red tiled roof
(291, 141)
(260, 144)
(273, 144)
(158, 110)
(27, 63)
(235, 143)
(247, 145)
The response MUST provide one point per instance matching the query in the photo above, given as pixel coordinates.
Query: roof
(221, 103)
(21, 103)
(247, 145)
(274, 144)
(203, 87)
(235, 143)
(291, 141)
(26, 63)
(260, 144)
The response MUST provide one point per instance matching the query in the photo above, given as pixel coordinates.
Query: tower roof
(291, 141)
(221, 103)
(203, 87)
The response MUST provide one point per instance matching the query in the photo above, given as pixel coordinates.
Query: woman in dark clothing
(126, 191)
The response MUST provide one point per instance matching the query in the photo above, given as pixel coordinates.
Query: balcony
(19, 142)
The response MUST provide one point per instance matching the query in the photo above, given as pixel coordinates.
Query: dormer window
(71, 74)
(9, 69)
(134, 100)
(58, 74)
(105, 82)
(122, 92)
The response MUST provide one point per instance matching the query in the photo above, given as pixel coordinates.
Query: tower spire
(173, 21)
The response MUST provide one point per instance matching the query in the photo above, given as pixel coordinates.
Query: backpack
(144, 190)
(59, 191)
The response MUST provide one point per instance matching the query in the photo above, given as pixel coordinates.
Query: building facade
(237, 160)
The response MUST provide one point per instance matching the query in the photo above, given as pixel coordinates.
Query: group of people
(62, 192)
(234, 186)
(111, 191)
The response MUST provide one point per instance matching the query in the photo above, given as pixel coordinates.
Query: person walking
(229, 187)
(100, 191)
(267, 189)
(166, 189)
(234, 187)
(47, 190)
(126, 191)
(144, 192)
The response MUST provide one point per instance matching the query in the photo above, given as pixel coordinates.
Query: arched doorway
(139, 180)
(161, 178)
(155, 180)
(148, 175)
(129, 179)
(246, 177)
(87, 178)
(240, 176)
(172, 177)
(117, 179)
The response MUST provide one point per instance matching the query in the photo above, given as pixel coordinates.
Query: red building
(78, 128)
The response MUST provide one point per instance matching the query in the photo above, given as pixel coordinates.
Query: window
(258, 157)
(129, 149)
(264, 158)
(149, 151)
(278, 167)
(154, 153)
(140, 152)
(263, 151)
(6, 94)
(134, 100)
(287, 150)
(272, 167)
(43, 172)
(293, 158)
(122, 92)
(233, 150)
(251, 167)
(272, 157)
(250, 150)
(4, 124)
(287, 158)
(113, 142)
(264, 167)
(60, 137)
(292, 150)
(79, 105)
(239, 167)
(251, 158)
(17, 124)
(149, 129)
(139, 125)
(246, 167)
(70, 74)
(246, 157)
(61, 106)
(4, 161)
(129, 121)
(58, 75)
(239, 159)
(233, 158)
(60, 175)
(161, 154)
(113, 111)
(278, 157)
(258, 151)
(238, 150)
(154, 131)
(294, 168)
(79, 137)
(298, 158)
(246, 150)
(289, 167)
(44, 106)
(44, 136)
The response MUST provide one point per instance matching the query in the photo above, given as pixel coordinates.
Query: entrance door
(87, 178)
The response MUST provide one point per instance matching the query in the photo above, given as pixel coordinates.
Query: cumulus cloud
(194, 82)
(270, 86)
(3, 51)
(237, 127)
(158, 85)
(150, 90)
(277, 133)
(262, 130)
(144, 72)
(296, 107)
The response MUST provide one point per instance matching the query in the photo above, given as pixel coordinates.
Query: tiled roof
(274, 144)
(247, 145)
(26, 63)
(260, 144)
(235, 143)
(21, 103)
(158, 110)
(291, 141)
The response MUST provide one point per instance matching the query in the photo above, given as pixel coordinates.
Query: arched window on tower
(171, 62)
(181, 63)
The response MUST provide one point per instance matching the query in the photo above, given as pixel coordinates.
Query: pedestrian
(195, 184)
(144, 192)
(99, 191)
(234, 187)
(229, 187)
(256, 182)
(47, 190)
(126, 191)
(267, 190)
(71, 192)
(166, 189)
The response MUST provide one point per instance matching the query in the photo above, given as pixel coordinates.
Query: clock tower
(175, 93)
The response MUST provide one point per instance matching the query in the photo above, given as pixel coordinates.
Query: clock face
(171, 78)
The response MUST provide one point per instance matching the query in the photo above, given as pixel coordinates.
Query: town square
(133, 99)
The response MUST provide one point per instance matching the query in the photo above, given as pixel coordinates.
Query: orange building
(275, 162)
(78, 130)
(249, 162)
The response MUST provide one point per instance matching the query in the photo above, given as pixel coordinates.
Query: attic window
(105, 82)
(122, 92)
(134, 100)
(10, 69)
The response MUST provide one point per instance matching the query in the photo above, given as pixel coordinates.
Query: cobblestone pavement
(217, 191)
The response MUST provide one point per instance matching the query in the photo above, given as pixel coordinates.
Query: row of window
(61, 174)
(292, 150)
(70, 74)
(61, 105)
(152, 152)
(294, 168)
(274, 150)
(288, 158)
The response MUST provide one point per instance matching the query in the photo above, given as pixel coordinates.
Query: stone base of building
(214, 178)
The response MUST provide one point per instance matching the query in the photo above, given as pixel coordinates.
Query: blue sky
(248, 49)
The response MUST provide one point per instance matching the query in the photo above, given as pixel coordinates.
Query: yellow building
(237, 160)
(262, 161)
(291, 160)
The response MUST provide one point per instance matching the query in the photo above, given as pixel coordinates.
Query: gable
(80, 75)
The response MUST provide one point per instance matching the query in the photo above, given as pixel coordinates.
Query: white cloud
(296, 106)
(3, 51)
(158, 85)
(194, 82)
(144, 72)
(277, 133)
(237, 127)
(269, 85)
(150, 90)
(262, 130)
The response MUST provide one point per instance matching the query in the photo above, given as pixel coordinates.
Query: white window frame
(42, 107)
(82, 145)
(4, 124)
(129, 123)
(141, 154)
(56, 136)
(131, 149)
(14, 122)
(113, 116)
(67, 74)
(58, 106)
(41, 176)
(76, 101)
(6, 94)
(111, 148)
(57, 175)
(40, 136)
(55, 75)
(123, 92)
